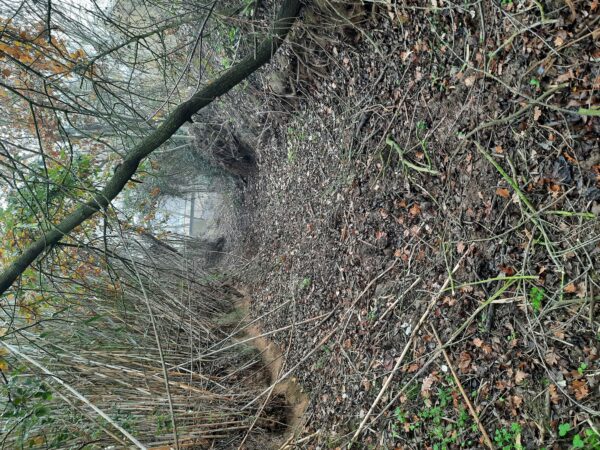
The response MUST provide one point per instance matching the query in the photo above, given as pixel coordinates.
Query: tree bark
(285, 19)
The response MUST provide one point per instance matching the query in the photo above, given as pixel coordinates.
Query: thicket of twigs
(143, 350)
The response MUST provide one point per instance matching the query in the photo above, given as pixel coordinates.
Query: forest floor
(426, 218)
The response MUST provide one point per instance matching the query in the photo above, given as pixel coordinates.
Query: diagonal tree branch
(285, 19)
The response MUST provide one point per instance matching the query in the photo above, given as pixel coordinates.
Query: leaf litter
(363, 221)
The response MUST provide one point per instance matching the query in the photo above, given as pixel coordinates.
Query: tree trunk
(283, 22)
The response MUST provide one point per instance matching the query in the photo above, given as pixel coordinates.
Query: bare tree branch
(183, 113)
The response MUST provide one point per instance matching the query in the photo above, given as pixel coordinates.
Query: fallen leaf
(520, 376)
(557, 332)
(398, 253)
(413, 368)
(537, 113)
(426, 386)
(470, 81)
(570, 288)
(580, 388)
(551, 358)
(464, 361)
(450, 301)
(554, 397)
(501, 385)
(380, 234)
(388, 363)
(415, 210)
(366, 384)
(477, 342)
(508, 271)
(517, 401)
(568, 75)
(503, 192)
(460, 247)
(467, 289)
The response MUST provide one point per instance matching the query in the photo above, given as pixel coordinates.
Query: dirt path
(273, 359)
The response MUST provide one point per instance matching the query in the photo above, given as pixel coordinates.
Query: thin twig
(158, 344)
(407, 347)
(76, 393)
(474, 414)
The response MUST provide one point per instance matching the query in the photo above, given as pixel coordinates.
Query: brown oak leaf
(551, 358)
(464, 361)
(520, 376)
(580, 388)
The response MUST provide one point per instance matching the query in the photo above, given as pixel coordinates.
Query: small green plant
(431, 421)
(163, 424)
(590, 440)
(296, 133)
(291, 156)
(563, 429)
(421, 125)
(578, 442)
(305, 283)
(463, 418)
(536, 296)
(26, 407)
(582, 368)
(400, 415)
(535, 83)
(444, 397)
(505, 438)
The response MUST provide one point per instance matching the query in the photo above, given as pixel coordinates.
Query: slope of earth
(425, 224)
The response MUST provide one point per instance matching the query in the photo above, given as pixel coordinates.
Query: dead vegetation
(156, 356)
